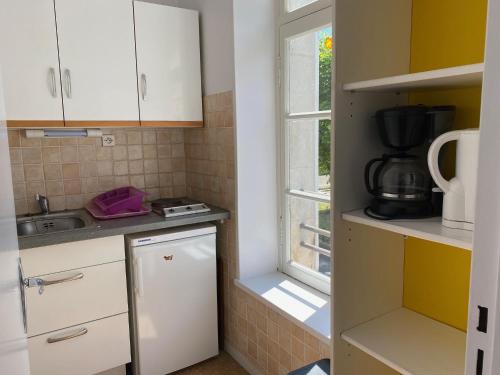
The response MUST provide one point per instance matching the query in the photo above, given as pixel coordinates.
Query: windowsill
(302, 304)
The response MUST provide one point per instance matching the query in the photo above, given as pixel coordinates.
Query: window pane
(309, 155)
(292, 5)
(309, 67)
(304, 217)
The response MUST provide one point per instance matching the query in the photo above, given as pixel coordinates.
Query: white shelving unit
(410, 343)
(460, 76)
(425, 229)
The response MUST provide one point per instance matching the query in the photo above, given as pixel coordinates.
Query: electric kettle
(460, 191)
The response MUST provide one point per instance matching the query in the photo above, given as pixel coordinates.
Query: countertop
(106, 228)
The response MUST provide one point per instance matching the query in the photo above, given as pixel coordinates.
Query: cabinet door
(29, 63)
(98, 66)
(483, 334)
(168, 60)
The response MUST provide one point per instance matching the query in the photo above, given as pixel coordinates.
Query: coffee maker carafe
(400, 182)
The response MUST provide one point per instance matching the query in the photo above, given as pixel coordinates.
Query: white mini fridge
(173, 298)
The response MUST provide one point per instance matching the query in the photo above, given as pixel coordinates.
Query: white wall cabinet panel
(96, 47)
(30, 63)
(168, 61)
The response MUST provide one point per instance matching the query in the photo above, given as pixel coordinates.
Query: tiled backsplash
(71, 171)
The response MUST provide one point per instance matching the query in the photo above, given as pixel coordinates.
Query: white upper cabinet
(98, 71)
(168, 61)
(29, 63)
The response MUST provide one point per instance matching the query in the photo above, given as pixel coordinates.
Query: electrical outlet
(108, 140)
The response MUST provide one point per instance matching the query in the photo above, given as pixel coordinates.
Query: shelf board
(460, 76)
(425, 229)
(411, 344)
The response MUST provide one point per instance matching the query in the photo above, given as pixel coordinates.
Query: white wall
(217, 55)
(255, 100)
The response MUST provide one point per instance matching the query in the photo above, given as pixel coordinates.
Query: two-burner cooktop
(172, 207)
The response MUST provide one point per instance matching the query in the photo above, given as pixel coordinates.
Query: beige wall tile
(120, 168)
(54, 188)
(14, 138)
(29, 142)
(163, 137)
(72, 187)
(136, 167)
(90, 185)
(106, 183)
(121, 181)
(120, 153)
(69, 154)
(52, 171)
(21, 206)
(87, 153)
(164, 151)
(150, 166)
(16, 156)
(153, 193)
(74, 202)
(32, 155)
(104, 153)
(57, 203)
(149, 138)
(120, 136)
(33, 172)
(51, 142)
(88, 169)
(138, 181)
(105, 168)
(19, 191)
(135, 152)
(152, 180)
(134, 137)
(165, 165)
(150, 152)
(51, 155)
(71, 171)
(33, 188)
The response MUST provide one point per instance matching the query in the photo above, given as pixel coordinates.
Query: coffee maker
(399, 181)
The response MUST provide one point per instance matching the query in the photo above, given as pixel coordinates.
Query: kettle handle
(367, 173)
(433, 158)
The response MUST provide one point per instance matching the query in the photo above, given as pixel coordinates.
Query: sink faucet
(43, 203)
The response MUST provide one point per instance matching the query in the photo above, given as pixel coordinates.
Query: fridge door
(13, 344)
(175, 304)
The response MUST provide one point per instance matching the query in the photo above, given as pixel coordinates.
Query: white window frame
(312, 17)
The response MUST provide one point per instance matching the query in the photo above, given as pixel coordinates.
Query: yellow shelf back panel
(436, 281)
(445, 33)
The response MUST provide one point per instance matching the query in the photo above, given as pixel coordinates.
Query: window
(305, 106)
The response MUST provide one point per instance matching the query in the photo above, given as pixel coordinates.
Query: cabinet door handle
(52, 82)
(41, 283)
(67, 81)
(139, 284)
(23, 296)
(69, 336)
(144, 86)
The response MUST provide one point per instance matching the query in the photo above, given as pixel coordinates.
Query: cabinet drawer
(94, 347)
(69, 256)
(87, 294)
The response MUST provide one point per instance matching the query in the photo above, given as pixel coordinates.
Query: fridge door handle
(139, 284)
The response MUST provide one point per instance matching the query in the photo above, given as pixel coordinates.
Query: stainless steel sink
(51, 223)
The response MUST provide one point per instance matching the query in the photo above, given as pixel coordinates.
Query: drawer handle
(80, 332)
(41, 283)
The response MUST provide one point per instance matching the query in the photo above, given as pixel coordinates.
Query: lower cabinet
(76, 307)
(83, 349)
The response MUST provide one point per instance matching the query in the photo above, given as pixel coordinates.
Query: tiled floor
(221, 365)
